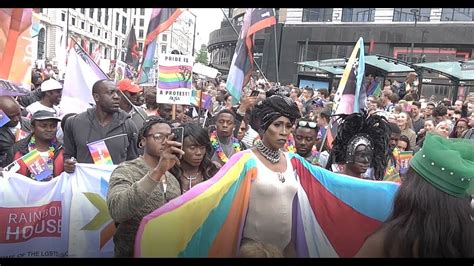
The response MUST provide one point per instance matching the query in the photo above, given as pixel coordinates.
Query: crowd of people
(432, 213)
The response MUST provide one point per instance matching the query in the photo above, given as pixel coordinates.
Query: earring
(140, 145)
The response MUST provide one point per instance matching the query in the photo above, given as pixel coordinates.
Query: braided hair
(373, 127)
(269, 110)
(149, 122)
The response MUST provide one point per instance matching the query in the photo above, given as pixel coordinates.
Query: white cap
(51, 84)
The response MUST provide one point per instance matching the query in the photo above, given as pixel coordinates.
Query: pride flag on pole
(160, 20)
(37, 166)
(206, 99)
(255, 19)
(99, 152)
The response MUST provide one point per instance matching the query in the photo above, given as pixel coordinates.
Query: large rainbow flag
(332, 214)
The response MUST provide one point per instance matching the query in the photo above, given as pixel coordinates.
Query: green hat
(448, 164)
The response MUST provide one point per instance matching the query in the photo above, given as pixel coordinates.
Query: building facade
(411, 34)
(102, 32)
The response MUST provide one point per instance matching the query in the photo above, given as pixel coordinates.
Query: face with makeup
(359, 155)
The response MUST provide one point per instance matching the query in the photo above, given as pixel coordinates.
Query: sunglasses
(309, 124)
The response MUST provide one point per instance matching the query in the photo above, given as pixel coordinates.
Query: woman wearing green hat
(432, 210)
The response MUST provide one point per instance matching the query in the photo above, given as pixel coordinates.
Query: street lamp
(415, 15)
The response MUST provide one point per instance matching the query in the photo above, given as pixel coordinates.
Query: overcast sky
(208, 20)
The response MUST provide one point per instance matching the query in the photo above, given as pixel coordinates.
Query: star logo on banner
(102, 217)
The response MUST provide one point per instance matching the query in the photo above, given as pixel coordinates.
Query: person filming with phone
(195, 165)
(142, 185)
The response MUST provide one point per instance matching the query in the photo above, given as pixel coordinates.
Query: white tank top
(270, 212)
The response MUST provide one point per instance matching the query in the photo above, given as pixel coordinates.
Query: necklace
(272, 155)
(217, 146)
(51, 149)
(191, 178)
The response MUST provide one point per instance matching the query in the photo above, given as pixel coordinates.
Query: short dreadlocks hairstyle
(373, 127)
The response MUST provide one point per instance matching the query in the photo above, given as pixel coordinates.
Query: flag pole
(276, 50)
(121, 93)
(255, 62)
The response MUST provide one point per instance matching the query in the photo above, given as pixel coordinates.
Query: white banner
(65, 217)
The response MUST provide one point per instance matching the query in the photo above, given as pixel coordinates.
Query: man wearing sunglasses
(306, 134)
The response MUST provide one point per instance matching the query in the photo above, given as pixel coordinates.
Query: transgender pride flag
(333, 214)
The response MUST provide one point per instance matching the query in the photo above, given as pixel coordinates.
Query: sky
(207, 20)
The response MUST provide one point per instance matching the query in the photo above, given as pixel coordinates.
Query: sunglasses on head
(309, 124)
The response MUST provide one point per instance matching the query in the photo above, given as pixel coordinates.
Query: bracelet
(148, 175)
(240, 113)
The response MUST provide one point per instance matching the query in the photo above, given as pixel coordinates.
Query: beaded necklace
(52, 148)
(217, 146)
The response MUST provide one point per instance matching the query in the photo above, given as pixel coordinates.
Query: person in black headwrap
(270, 211)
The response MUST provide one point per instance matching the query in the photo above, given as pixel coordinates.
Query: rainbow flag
(208, 220)
(99, 152)
(37, 166)
(174, 77)
(206, 100)
(404, 158)
(377, 91)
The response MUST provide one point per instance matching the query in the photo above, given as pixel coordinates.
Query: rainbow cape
(332, 214)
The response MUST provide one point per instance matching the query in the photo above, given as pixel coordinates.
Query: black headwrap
(271, 109)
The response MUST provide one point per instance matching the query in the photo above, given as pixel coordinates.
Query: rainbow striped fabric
(332, 214)
(170, 77)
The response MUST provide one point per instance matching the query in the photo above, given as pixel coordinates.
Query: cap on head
(44, 115)
(448, 164)
(51, 84)
(128, 85)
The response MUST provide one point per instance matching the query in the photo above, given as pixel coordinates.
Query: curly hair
(374, 127)
(151, 120)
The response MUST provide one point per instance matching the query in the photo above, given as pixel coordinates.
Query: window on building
(142, 11)
(125, 10)
(140, 46)
(105, 35)
(105, 53)
(91, 29)
(82, 25)
(317, 14)
(406, 14)
(41, 10)
(41, 43)
(142, 22)
(457, 14)
(358, 14)
(98, 32)
(117, 21)
(63, 17)
(116, 41)
(83, 10)
(73, 21)
(140, 34)
(163, 49)
(91, 12)
(164, 38)
(124, 25)
(99, 14)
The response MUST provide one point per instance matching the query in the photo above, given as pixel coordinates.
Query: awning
(461, 71)
(333, 70)
(386, 66)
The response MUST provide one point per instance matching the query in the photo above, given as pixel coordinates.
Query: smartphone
(178, 133)
(254, 93)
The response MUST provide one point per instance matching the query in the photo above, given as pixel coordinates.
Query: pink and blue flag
(333, 214)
